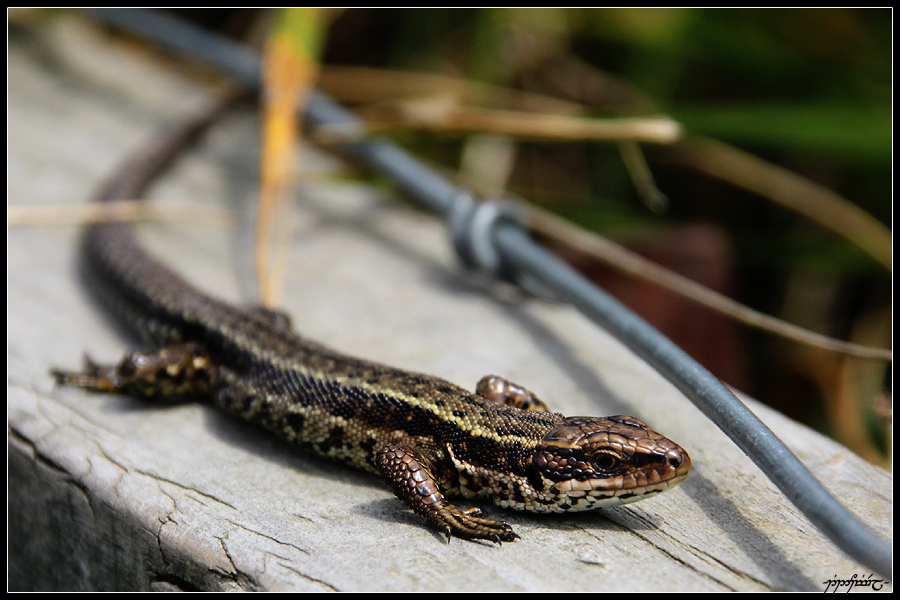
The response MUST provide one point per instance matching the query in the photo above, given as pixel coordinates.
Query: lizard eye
(605, 461)
(629, 421)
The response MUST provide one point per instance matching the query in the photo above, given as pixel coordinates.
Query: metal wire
(514, 254)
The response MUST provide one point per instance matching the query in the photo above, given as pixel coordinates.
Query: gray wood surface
(114, 493)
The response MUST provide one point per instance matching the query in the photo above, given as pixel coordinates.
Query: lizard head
(587, 462)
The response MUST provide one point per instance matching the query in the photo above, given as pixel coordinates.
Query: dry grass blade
(120, 211)
(366, 85)
(793, 191)
(642, 176)
(289, 73)
(465, 119)
(624, 260)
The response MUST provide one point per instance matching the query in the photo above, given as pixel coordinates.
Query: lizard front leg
(412, 482)
(503, 391)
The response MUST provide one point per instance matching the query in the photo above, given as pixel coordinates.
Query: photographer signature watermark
(835, 585)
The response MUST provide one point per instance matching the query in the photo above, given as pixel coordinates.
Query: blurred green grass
(855, 136)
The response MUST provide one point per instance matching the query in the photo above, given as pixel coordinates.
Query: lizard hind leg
(183, 370)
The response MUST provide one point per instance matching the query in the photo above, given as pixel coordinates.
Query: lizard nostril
(675, 459)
